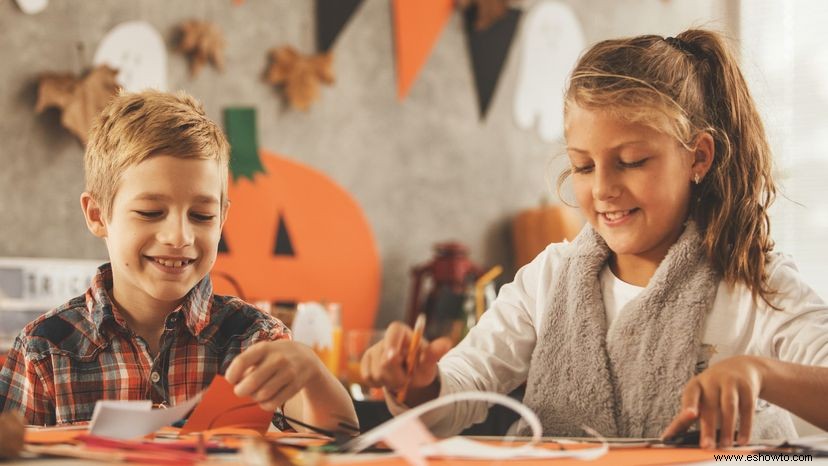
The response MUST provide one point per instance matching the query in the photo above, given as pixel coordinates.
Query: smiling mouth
(172, 263)
(617, 214)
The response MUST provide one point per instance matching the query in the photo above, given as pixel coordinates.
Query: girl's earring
(696, 178)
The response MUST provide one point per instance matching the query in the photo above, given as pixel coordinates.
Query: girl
(673, 273)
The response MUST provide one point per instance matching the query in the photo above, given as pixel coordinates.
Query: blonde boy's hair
(136, 126)
(684, 86)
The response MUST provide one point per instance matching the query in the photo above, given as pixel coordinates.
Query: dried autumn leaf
(202, 41)
(300, 75)
(80, 100)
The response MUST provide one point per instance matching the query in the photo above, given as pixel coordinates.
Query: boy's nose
(176, 232)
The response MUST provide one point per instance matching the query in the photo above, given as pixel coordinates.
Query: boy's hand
(718, 396)
(272, 372)
(383, 365)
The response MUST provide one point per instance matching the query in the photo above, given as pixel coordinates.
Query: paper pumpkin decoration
(534, 229)
(293, 235)
(552, 42)
(80, 100)
(137, 51)
(299, 75)
(202, 41)
(31, 7)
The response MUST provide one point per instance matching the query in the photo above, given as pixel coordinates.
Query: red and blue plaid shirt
(82, 352)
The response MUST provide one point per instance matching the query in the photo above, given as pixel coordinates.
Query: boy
(150, 327)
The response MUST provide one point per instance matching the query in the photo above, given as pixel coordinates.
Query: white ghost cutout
(31, 7)
(552, 42)
(137, 51)
(312, 326)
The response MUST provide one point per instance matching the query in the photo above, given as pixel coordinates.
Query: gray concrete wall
(423, 170)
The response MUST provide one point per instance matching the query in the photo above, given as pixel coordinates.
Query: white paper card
(131, 419)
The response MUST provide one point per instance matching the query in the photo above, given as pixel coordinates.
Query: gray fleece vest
(625, 380)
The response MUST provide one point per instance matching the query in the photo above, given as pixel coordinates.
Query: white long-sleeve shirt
(495, 355)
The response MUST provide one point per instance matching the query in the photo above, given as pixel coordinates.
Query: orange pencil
(413, 355)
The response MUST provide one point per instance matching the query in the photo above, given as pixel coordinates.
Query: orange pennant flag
(417, 25)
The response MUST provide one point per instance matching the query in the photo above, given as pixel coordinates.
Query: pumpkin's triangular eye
(222, 247)
(283, 247)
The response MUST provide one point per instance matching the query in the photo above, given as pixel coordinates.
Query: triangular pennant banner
(489, 49)
(417, 25)
(284, 246)
(240, 126)
(331, 18)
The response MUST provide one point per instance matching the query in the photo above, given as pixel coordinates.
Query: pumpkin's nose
(176, 232)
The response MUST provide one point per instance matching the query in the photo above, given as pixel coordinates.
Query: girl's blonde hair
(684, 86)
(136, 126)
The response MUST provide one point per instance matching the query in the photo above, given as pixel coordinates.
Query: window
(785, 60)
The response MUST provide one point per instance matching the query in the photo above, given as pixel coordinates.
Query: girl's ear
(93, 215)
(703, 155)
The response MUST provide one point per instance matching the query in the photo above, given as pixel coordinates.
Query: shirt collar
(195, 308)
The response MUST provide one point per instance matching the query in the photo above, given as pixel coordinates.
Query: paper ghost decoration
(137, 51)
(552, 42)
(31, 7)
(488, 11)
(312, 326)
(202, 41)
(300, 75)
(80, 100)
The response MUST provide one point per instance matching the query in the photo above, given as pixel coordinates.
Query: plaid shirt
(82, 352)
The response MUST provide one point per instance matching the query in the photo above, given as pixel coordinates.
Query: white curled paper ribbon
(461, 447)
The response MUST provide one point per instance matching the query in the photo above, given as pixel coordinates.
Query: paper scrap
(108, 417)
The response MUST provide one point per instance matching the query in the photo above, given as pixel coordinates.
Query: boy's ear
(93, 215)
(224, 211)
(703, 154)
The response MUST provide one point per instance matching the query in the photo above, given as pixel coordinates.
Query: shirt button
(155, 377)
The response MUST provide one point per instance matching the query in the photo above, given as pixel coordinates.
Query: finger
(396, 338)
(286, 393)
(709, 415)
(271, 388)
(366, 363)
(267, 370)
(247, 358)
(747, 404)
(390, 372)
(729, 405)
(426, 369)
(689, 412)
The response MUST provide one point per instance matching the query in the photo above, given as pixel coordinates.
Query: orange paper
(220, 407)
(417, 25)
(53, 435)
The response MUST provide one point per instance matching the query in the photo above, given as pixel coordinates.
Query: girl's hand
(718, 396)
(383, 365)
(272, 372)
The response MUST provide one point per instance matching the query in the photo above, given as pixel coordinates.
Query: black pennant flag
(489, 49)
(331, 17)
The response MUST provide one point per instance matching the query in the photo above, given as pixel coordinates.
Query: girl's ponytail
(734, 198)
